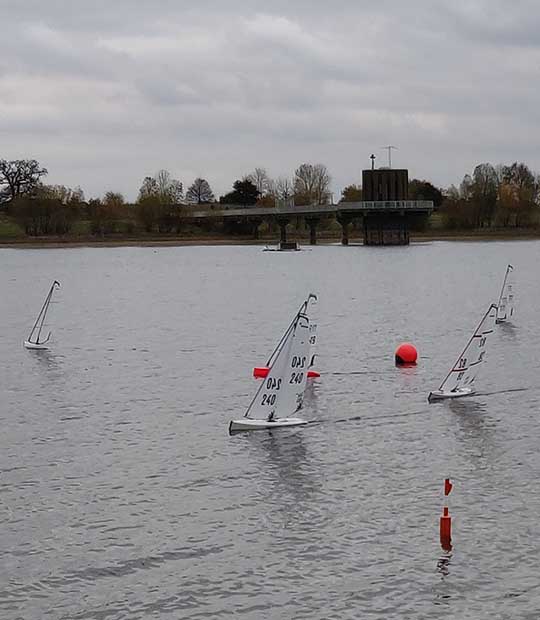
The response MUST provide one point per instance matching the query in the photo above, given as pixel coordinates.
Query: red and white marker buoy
(445, 523)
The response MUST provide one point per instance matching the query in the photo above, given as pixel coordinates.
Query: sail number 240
(272, 383)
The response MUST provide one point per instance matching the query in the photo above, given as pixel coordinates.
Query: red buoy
(406, 353)
(313, 374)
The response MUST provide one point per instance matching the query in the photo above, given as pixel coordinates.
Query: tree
(351, 193)
(424, 190)
(19, 177)
(244, 193)
(484, 193)
(170, 191)
(519, 193)
(199, 192)
(159, 197)
(312, 184)
(105, 215)
(49, 209)
(260, 179)
(282, 189)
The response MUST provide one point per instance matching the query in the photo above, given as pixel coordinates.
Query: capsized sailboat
(505, 307)
(259, 372)
(280, 396)
(459, 381)
(33, 341)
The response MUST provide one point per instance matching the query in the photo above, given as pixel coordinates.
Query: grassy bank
(12, 235)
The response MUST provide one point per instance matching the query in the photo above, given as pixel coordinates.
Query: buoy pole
(445, 524)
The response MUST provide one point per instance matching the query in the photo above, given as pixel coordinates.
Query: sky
(105, 92)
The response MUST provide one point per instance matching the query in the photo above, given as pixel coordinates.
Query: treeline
(504, 196)
(493, 196)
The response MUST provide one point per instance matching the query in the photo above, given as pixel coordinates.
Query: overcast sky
(105, 92)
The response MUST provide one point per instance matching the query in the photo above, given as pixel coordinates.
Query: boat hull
(249, 424)
(442, 395)
(35, 346)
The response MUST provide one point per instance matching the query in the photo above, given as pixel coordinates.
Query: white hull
(35, 346)
(250, 424)
(443, 395)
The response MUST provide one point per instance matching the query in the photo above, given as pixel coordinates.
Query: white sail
(311, 299)
(33, 341)
(505, 307)
(292, 395)
(282, 391)
(460, 379)
(312, 343)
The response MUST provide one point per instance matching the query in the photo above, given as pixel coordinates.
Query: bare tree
(170, 190)
(19, 177)
(312, 184)
(159, 197)
(259, 177)
(163, 187)
(199, 192)
(283, 189)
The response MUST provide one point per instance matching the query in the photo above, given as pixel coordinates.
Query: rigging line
(508, 269)
(302, 309)
(263, 383)
(467, 345)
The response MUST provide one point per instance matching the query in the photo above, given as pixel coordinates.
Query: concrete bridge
(385, 222)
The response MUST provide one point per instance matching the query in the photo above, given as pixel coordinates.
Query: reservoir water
(122, 496)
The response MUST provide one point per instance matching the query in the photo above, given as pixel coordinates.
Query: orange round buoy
(406, 353)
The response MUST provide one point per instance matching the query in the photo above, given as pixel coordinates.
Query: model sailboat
(505, 307)
(281, 394)
(459, 381)
(33, 341)
(259, 372)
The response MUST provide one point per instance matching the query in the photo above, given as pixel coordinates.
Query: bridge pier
(344, 220)
(312, 222)
(282, 222)
(255, 223)
(386, 230)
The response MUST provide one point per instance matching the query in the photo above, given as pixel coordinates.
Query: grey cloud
(106, 92)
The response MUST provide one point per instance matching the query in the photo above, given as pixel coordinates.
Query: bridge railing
(290, 209)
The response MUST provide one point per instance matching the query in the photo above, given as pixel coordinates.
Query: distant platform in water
(284, 246)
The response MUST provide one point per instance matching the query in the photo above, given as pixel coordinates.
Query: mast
(302, 310)
(270, 379)
(509, 268)
(42, 314)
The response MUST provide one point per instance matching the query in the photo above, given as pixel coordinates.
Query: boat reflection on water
(292, 492)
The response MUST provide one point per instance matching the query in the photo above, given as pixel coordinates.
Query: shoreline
(70, 242)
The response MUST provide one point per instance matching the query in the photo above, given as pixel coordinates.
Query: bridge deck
(362, 208)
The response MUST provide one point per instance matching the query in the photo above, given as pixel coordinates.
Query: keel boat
(459, 381)
(281, 394)
(505, 307)
(33, 341)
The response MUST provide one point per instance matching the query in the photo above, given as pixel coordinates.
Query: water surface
(123, 496)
